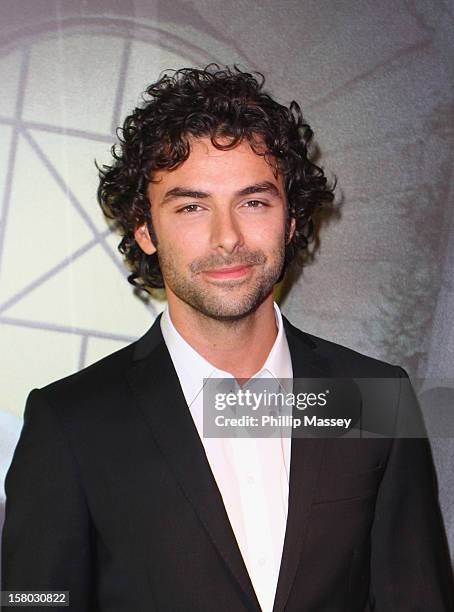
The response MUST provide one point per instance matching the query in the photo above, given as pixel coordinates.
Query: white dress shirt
(252, 474)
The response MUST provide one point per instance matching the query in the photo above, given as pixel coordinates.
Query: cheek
(183, 242)
(267, 236)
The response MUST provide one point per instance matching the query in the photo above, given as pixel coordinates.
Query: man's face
(219, 220)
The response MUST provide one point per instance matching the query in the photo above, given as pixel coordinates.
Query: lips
(228, 272)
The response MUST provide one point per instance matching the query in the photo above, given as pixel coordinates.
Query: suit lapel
(156, 387)
(306, 455)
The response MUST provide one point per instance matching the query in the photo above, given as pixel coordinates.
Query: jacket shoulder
(103, 371)
(109, 370)
(344, 361)
(102, 387)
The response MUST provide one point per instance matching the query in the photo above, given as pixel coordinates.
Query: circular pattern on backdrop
(64, 298)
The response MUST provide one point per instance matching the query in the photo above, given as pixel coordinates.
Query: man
(114, 493)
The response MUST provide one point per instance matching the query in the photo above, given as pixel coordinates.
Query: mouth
(230, 272)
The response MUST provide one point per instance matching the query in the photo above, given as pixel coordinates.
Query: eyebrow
(189, 192)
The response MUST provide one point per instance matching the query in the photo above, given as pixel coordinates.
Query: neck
(239, 347)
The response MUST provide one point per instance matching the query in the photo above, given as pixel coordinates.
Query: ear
(142, 236)
(291, 230)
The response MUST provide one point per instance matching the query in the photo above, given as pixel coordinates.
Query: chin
(229, 312)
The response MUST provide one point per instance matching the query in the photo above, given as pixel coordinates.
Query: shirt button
(262, 561)
(251, 480)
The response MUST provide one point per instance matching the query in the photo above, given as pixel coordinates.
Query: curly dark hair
(219, 103)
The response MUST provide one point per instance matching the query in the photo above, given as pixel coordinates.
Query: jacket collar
(153, 376)
(153, 337)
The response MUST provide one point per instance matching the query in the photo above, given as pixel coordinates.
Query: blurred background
(375, 81)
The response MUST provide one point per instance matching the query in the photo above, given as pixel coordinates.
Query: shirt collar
(192, 368)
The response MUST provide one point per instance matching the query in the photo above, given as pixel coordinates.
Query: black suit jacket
(111, 497)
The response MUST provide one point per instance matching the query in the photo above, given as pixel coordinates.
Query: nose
(226, 233)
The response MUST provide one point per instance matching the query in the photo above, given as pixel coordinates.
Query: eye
(255, 204)
(189, 208)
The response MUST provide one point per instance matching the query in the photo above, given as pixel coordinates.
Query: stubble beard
(233, 300)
